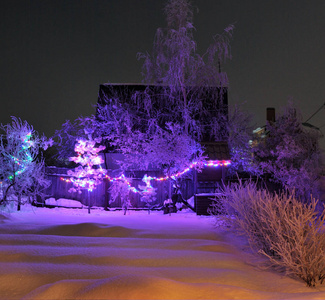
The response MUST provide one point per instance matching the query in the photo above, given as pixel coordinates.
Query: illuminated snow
(66, 254)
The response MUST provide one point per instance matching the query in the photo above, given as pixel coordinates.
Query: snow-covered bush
(291, 234)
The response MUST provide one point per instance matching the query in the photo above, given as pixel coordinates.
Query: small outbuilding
(210, 179)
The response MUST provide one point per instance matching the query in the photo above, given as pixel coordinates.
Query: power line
(318, 110)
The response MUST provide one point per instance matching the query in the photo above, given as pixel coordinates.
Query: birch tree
(22, 170)
(175, 63)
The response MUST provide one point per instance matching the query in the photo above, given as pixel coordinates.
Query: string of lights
(26, 158)
(85, 176)
(87, 181)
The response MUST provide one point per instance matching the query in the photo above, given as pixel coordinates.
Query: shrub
(290, 233)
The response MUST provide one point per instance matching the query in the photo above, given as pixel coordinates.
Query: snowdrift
(68, 254)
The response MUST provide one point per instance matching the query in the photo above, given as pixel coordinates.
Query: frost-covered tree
(144, 140)
(175, 64)
(170, 150)
(290, 153)
(89, 174)
(121, 189)
(162, 126)
(174, 60)
(21, 166)
(183, 81)
(65, 138)
(148, 192)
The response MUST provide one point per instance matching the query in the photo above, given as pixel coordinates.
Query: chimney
(270, 115)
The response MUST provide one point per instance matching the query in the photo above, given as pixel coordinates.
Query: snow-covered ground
(68, 254)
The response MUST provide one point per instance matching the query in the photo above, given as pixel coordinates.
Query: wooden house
(214, 100)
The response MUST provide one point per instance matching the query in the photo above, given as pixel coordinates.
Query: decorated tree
(22, 170)
(89, 174)
(147, 192)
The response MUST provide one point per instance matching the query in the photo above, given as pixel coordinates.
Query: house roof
(216, 150)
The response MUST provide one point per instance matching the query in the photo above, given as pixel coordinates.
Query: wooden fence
(101, 196)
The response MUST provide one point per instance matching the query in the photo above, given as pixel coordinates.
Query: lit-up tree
(89, 174)
(65, 138)
(147, 192)
(21, 167)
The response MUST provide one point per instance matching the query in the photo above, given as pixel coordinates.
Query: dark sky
(55, 53)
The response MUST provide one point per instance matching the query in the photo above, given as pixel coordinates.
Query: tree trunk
(4, 199)
(169, 185)
(88, 202)
(19, 202)
(185, 110)
(107, 185)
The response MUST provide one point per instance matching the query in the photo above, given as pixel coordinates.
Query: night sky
(56, 53)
